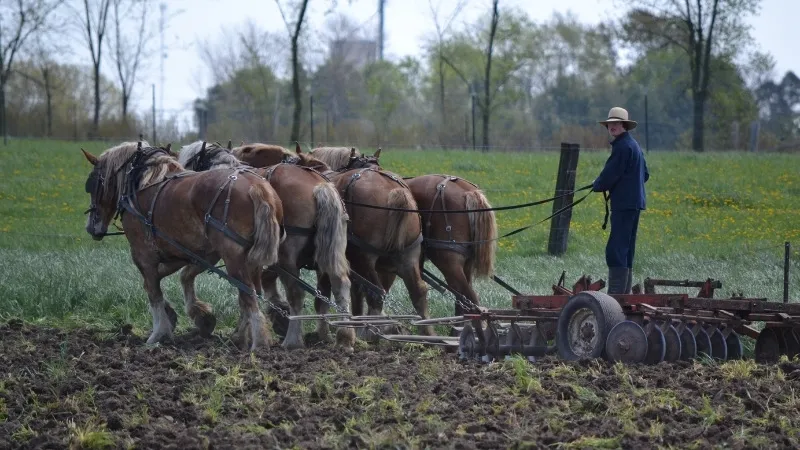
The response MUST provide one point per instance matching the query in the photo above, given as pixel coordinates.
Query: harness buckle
(440, 186)
(448, 228)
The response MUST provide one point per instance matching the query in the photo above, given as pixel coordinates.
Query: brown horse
(382, 244)
(461, 246)
(316, 228)
(174, 218)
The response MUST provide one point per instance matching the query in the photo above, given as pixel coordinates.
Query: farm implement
(641, 327)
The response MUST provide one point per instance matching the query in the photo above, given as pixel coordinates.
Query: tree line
(689, 72)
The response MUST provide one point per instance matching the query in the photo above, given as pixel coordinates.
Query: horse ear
(203, 148)
(297, 148)
(242, 144)
(90, 157)
(230, 147)
(378, 153)
(352, 152)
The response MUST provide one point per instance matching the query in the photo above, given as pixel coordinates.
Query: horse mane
(309, 160)
(237, 151)
(115, 157)
(335, 157)
(221, 159)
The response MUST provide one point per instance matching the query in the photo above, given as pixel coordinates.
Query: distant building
(356, 52)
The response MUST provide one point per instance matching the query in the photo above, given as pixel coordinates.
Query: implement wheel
(584, 323)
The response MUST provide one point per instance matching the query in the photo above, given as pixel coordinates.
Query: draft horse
(382, 245)
(174, 218)
(316, 227)
(462, 246)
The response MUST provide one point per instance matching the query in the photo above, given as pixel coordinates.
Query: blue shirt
(624, 174)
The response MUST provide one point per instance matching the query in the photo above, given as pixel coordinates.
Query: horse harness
(357, 241)
(129, 200)
(450, 243)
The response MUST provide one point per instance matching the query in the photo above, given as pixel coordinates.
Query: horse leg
(294, 294)
(341, 286)
(277, 309)
(163, 322)
(409, 272)
(322, 307)
(252, 330)
(364, 265)
(458, 276)
(200, 312)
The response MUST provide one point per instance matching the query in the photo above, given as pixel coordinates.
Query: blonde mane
(222, 159)
(237, 151)
(115, 157)
(335, 157)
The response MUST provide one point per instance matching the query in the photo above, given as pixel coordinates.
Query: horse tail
(330, 240)
(397, 232)
(483, 227)
(267, 218)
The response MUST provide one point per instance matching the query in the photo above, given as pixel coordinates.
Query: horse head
(120, 170)
(361, 161)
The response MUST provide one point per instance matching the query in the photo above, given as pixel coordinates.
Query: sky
(407, 24)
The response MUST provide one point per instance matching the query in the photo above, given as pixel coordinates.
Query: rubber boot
(617, 278)
(629, 283)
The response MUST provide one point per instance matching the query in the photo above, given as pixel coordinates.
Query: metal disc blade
(467, 345)
(703, 343)
(536, 339)
(516, 337)
(719, 349)
(734, 344)
(673, 341)
(769, 346)
(492, 343)
(790, 337)
(688, 345)
(626, 343)
(656, 345)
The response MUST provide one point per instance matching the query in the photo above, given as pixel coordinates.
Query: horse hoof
(206, 325)
(297, 345)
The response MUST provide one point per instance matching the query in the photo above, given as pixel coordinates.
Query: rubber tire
(607, 312)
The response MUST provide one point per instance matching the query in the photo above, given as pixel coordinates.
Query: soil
(107, 389)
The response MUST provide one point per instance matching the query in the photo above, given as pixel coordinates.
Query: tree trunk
(96, 118)
(298, 100)
(699, 100)
(125, 99)
(442, 127)
(487, 82)
(3, 127)
(48, 93)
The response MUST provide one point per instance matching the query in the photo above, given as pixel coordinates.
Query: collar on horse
(201, 161)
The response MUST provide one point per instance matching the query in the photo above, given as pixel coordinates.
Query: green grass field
(719, 215)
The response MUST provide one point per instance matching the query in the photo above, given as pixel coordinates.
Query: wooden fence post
(565, 182)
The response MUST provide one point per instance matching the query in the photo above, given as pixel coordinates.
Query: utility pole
(163, 7)
(381, 14)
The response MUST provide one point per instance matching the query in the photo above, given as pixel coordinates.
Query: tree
(294, 34)
(700, 28)
(488, 61)
(93, 18)
(442, 30)
(27, 18)
(42, 71)
(129, 48)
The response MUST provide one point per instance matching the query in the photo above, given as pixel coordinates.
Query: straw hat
(617, 114)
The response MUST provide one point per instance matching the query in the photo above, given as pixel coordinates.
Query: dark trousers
(622, 240)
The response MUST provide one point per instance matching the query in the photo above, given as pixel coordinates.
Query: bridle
(201, 161)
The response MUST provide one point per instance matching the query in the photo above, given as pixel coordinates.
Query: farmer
(623, 177)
